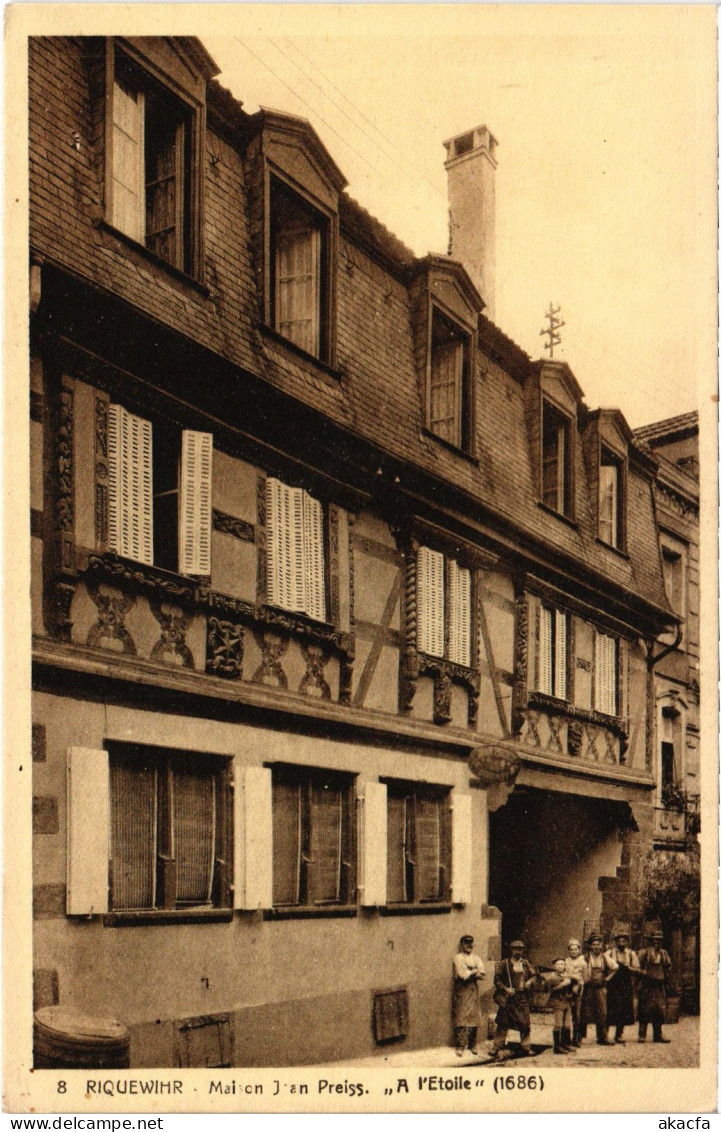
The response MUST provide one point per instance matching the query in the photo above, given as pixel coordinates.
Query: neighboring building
(342, 606)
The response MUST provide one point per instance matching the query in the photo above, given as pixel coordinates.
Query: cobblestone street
(682, 1051)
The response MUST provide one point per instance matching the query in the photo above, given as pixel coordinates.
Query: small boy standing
(575, 967)
(562, 986)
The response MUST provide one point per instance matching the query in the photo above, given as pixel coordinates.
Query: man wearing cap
(467, 974)
(655, 970)
(599, 970)
(620, 986)
(513, 980)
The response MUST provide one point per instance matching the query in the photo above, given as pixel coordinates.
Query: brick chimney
(471, 167)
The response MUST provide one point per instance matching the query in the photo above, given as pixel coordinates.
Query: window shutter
(397, 849)
(430, 601)
(461, 834)
(297, 593)
(427, 847)
(130, 485)
(277, 531)
(196, 514)
(374, 843)
(324, 863)
(195, 817)
(314, 569)
(253, 834)
(545, 652)
(560, 655)
(133, 835)
(128, 174)
(459, 604)
(605, 674)
(88, 785)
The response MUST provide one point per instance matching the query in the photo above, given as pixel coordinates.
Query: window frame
(555, 613)
(447, 629)
(673, 550)
(308, 778)
(146, 77)
(166, 762)
(609, 458)
(564, 462)
(464, 422)
(411, 791)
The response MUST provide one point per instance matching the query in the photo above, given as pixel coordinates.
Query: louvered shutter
(133, 835)
(314, 568)
(605, 674)
(253, 835)
(195, 817)
(196, 515)
(459, 606)
(430, 601)
(128, 162)
(88, 791)
(297, 598)
(279, 544)
(427, 830)
(397, 849)
(461, 851)
(559, 689)
(374, 843)
(130, 485)
(545, 652)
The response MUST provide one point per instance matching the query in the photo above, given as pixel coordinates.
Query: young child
(562, 985)
(575, 966)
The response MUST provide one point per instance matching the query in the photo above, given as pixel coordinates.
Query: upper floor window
(313, 838)
(419, 844)
(444, 607)
(611, 511)
(150, 154)
(168, 830)
(449, 410)
(673, 558)
(159, 494)
(299, 270)
(556, 461)
(605, 674)
(551, 672)
(295, 550)
(670, 749)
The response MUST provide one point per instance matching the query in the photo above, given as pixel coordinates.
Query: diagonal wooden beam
(374, 655)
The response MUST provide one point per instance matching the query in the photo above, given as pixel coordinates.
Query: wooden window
(605, 674)
(149, 176)
(295, 550)
(556, 463)
(299, 271)
(419, 844)
(448, 396)
(169, 830)
(313, 838)
(611, 490)
(670, 744)
(444, 600)
(552, 668)
(159, 493)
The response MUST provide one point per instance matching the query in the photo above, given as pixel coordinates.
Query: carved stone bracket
(110, 630)
(224, 648)
(58, 599)
(174, 624)
(575, 737)
(408, 680)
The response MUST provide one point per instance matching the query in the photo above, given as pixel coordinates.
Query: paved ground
(682, 1051)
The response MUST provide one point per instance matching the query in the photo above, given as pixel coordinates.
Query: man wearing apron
(599, 969)
(513, 980)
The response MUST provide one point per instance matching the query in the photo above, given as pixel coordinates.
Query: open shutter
(88, 782)
(128, 173)
(560, 668)
(545, 652)
(196, 469)
(459, 605)
(461, 848)
(253, 872)
(130, 485)
(314, 569)
(430, 601)
(374, 839)
(279, 544)
(297, 549)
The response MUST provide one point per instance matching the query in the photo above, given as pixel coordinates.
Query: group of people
(598, 988)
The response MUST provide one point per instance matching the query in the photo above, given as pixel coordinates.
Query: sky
(606, 180)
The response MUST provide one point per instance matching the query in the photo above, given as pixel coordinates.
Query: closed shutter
(427, 849)
(134, 835)
(430, 601)
(88, 788)
(324, 862)
(374, 835)
(314, 567)
(195, 816)
(254, 833)
(544, 673)
(130, 485)
(128, 161)
(560, 667)
(459, 607)
(461, 850)
(196, 469)
(287, 842)
(397, 849)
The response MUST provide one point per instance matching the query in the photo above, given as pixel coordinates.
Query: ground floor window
(419, 845)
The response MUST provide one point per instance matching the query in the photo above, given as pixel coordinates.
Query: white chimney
(471, 166)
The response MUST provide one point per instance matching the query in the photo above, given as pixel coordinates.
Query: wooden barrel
(68, 1039)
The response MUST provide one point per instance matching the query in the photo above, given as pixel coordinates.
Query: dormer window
(448, 414)
(611, 499)
(557, 464)
(299, 271)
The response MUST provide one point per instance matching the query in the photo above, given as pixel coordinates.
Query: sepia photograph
(363, 706)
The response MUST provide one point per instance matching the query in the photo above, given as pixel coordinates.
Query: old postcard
(361, 639)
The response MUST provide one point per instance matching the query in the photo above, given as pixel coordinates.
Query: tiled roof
(662, 431)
